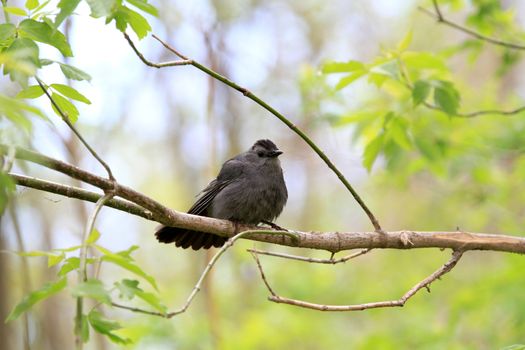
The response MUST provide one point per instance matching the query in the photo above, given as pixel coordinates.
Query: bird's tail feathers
(187, 238)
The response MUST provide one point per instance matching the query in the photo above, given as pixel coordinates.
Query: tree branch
(330, 241)
(441, 19)
(449, 265)
(66, 120)
(80, 193)
(270, 109)
(330, 261)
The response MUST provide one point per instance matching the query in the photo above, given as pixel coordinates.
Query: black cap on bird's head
(266, 148)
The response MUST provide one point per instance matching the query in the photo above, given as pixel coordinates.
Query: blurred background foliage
(356, 76)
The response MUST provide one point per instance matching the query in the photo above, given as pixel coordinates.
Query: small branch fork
(447, 267)
(437, 14)
(330, 261)
(186, 61)
(204, 273)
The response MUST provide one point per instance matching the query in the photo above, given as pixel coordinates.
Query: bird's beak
(276, 153)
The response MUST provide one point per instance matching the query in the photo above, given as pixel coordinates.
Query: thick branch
(80, 193)
(331, 241)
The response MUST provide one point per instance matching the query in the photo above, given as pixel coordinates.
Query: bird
(249, 189)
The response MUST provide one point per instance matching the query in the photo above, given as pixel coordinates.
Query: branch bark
(331, 241)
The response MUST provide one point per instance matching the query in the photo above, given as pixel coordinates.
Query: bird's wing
(230, 171)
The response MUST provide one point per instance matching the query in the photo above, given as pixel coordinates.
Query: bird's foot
(274, 226)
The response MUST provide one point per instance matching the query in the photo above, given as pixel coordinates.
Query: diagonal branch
(441, 19)
(270, 109)
(449, 265)
(66, 120)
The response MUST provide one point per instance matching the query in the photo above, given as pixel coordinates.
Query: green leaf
(66, 9)
(93, 236)
(126, 262)
(405, 42)
(70, 92)
(32, 91)
(52, 258)
(129, 289)
(34, 297)
(349, 79)
(31, 4)
(42, 32)
(40, 7)
(372, 150)
(423, 60)
(46, 62)
(102, 8)
(92, 288)
(377, 79)
(69, 249)
(66, 107)
(73, 72)
(342, 67)
(138, 23)
(428, 147)
(389, 69)
(153, 300)
(144, 6)
(397, 130)
(70, 264)
(127, 253)
(20, 60)
(7, 187)
(17, 11)
(106, 326)
(420, 91)
(16, 111)
(446, 97)
(7, 31)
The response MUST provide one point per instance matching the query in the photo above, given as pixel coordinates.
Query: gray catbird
(249, 189)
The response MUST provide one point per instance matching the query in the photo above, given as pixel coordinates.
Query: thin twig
(82, 273)
(212, 262)
(449, 265)
(263, 276)
(203, 275)
(331, 261)
(273, 111)
(147, 62)
(441, 19)
(66, 120)
(136, 309)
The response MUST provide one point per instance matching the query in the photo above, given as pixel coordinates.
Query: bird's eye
(260, 154)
